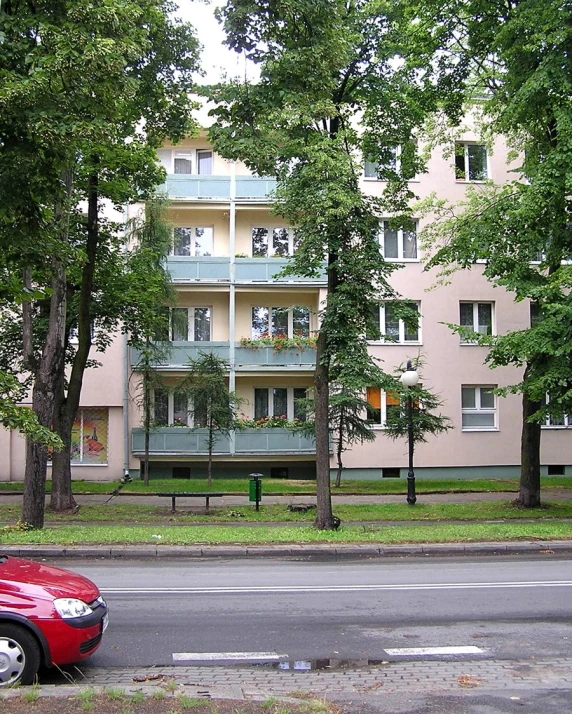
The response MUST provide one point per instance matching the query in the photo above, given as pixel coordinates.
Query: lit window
(470, 162)
(393, 329)
(397, 243)
(476, 317)
(268, 241)
(190, 324)
(478, 407)
(196, 241)
(274, 321)
(379, 402)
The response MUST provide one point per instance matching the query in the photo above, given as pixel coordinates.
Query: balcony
(254, 270)
(185, 269)
(181, 441)
(198, 187)
(245, 358)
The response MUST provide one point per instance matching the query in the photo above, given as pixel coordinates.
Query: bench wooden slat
(207, 495)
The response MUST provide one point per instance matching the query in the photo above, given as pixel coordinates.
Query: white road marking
(435, 650)
(228, 656)
(335, 588)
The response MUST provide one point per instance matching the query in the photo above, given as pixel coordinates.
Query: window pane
(373, 411)
(468, 398)
(374, 334)
(370, 169)
(205, 162)
(485, 317)
(487, 399)
(477, 162)
(203, 241)
(412, 331)
(390, 249)
(180, 407)
(279, 321)
(161, 405)
(301, 321)
(162, 325)
(200, 413)
(280, 239)
(280, 402)
(391, 323)
(260, 242)
(202, 324)
(299, 410)
(389, 156)
(260, 403)
(409, 244)
(535, 314)
(460, 170)
(183, 165)
(182, 241)
(466, 309)
(296, 241)
(475, 420)
(259, 322)
(180, 324)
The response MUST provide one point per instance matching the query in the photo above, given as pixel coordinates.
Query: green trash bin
(255, 488)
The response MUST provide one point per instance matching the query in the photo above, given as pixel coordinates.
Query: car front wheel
(19, 655)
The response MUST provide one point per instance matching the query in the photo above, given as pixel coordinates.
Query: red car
(48, 616)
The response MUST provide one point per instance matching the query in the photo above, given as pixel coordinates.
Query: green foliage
(279, 342)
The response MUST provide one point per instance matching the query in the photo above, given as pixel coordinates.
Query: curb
(313, 551)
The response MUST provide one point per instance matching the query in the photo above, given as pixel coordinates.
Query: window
(268, 241)
(183, 163)
(476, 317)
(74, 333)
(478, 408)
(196, 241)
(397, 243)
(274, 321)
(394, 329)
(392, 160)
(557, 420)
(204, 162)
(190, 324)
(470, 162)
(379, 402)
(89, 436)
(279, 402)
(535, 314)
(172, 408)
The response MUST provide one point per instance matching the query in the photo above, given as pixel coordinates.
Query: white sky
(216, 58)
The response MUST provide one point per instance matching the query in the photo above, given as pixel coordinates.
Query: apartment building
(227, 252)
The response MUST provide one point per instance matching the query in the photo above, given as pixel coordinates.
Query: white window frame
(400, 243)
(396, 165)
(190, 323)
(167, 159)
(193, 243)
(171, 408)
(271, 228)
(465, 145)
(289, 401)
(401, 340)
(290, 312)
(475, 325)
(73, 337)
(567, 419)
(383, 409)
(478, 409)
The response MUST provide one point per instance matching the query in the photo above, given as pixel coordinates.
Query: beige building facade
(227, 252)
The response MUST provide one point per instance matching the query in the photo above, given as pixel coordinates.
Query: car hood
(27, 576)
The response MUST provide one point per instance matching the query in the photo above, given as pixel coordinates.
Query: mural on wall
(89, 436)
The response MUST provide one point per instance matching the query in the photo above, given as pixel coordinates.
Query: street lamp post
(409, 378)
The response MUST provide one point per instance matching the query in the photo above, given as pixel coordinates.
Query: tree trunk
(146, 421)
(210, 464)
(43, 400)
(529, 491)
(62, 498)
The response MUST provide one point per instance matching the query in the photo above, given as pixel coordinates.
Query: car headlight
(69, 607)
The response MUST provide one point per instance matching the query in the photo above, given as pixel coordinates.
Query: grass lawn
(129, 513)
(285, 487)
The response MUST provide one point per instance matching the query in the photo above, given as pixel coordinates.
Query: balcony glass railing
(183, 268)
(188, 186)
(181, 441)
(182, 352)
(265, 269)
(245, 358)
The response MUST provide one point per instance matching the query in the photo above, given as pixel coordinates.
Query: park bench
(207, 495)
